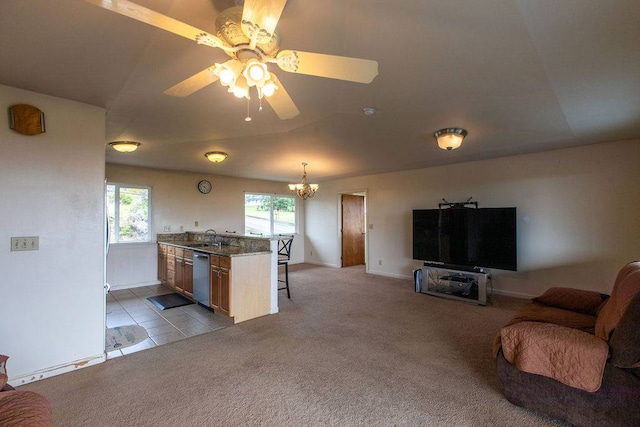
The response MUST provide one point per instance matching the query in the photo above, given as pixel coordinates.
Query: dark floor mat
(169, 301)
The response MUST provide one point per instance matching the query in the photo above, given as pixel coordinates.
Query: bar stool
(284, 255)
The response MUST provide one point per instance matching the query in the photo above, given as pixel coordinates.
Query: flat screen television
(466, 238)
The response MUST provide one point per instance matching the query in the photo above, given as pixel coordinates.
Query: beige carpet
(349, 349)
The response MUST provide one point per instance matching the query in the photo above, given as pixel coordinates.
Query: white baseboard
(135, 285)
(392, 275)
(57, 370)
(324, 264)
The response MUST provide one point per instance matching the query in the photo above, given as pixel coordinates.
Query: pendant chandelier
(304, 190)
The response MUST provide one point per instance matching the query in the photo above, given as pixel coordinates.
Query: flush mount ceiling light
(124, 146)
(450, 138)
(216, 156)
(369, 111)
(249, 37)
(304, 189)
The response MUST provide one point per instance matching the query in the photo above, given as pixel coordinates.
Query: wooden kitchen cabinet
(220, 292)
(179, 269)
(162, 263)
(239, 286)
(171, 266)
(187, 275)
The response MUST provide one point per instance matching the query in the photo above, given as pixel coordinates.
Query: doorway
(353, 229)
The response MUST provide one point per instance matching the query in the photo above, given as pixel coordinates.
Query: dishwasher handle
(196, 255)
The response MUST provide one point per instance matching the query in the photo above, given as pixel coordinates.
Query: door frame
(363, 193)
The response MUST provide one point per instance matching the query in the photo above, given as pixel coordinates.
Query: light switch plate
(25, 243)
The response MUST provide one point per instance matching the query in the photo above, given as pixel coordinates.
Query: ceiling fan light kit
(248, 35)
(124, 146)
(450, 138)
(216, 156)
(304, 190)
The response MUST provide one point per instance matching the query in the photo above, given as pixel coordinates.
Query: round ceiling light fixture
(450, 138)
(369, 111)
(216, 156)
(124, 146)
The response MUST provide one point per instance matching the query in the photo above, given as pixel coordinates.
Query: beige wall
(52, 299)
(577, 214)
(176, 202)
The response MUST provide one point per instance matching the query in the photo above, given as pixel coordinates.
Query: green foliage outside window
(129, 216)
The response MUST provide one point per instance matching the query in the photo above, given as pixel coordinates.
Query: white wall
(577, 214)
(51, 186)
(176, 202)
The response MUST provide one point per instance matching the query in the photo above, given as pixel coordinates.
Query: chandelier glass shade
(216, 156)
(304, 190)
(239, 77)
(450, 138)
(124, 146)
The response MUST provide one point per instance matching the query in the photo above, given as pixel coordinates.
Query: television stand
(467, 286)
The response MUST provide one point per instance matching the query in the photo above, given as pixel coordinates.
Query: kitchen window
(129, 213)
(269, 214)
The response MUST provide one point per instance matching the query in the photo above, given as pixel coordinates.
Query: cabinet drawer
(171, 250)
(188, 254)
(225, 262)
(171, 263)
(214, 260)
(179, 252)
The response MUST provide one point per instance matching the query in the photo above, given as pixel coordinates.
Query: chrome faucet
(212, 241)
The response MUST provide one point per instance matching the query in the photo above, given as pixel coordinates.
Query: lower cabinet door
(214, 291)
(187, 278)
(225, 296)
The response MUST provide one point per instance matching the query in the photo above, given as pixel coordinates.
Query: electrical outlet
(167, 228)
(379, 262)
(195, 223)
(181, 228)
(27, 243)
(310, 253)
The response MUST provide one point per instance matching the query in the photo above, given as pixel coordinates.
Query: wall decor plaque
(26, 119)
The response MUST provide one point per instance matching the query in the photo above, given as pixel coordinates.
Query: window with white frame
(269, 214)
(129, 213)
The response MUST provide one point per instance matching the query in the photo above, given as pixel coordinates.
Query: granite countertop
(224, 250)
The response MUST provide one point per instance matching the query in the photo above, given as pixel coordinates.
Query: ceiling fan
(248, 35)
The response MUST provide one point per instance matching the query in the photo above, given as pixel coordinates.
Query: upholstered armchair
(575, 355)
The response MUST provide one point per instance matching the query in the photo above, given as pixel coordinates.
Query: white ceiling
(520, 75)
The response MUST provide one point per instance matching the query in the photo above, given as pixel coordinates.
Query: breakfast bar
(231, 274)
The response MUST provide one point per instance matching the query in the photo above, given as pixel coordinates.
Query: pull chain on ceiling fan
(249, 37)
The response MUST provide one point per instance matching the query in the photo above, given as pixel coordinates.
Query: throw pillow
(3, 371)
(578, 300)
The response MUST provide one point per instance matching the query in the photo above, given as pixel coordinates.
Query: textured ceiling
(520, 76)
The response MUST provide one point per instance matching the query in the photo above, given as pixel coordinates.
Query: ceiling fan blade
(193, 83)
(260, 18)
(282, 103)
(148, 16)
(333, 67)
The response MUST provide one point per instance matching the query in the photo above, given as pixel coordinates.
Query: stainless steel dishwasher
(201, 270)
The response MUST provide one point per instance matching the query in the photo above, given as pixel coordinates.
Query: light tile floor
(130, 306)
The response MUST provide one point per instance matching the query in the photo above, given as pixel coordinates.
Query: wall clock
(204, 186)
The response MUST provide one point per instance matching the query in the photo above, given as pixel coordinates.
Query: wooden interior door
(352, 230)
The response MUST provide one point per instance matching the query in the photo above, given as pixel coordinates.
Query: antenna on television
(467, 204)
